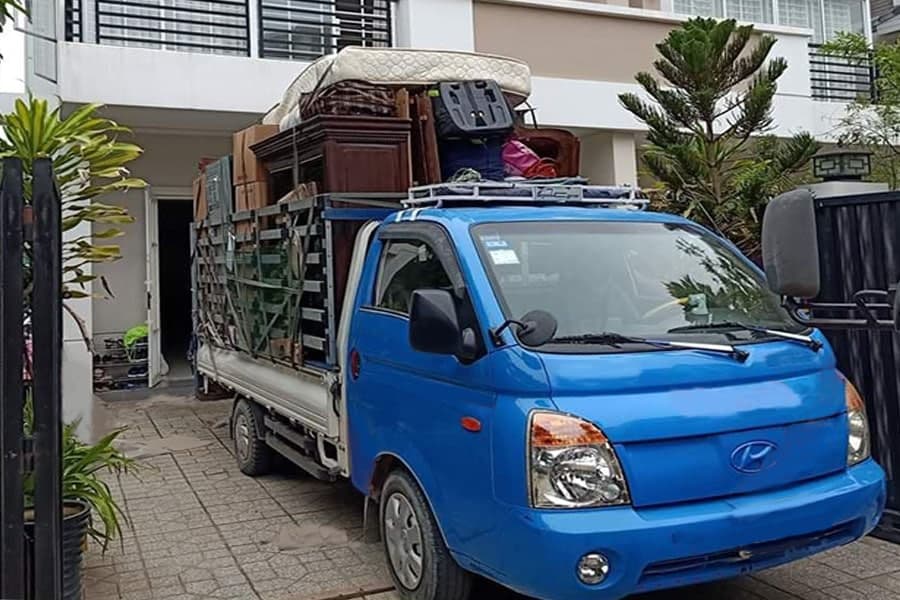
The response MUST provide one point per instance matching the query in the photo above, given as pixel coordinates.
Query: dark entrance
(175, 217)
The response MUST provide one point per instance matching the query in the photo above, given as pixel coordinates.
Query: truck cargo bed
(269, 283)
(302, 394)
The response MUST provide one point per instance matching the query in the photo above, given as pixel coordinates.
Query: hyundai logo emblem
(753, 457)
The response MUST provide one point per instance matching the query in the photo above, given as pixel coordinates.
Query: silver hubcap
(242, 437)
(403, 537)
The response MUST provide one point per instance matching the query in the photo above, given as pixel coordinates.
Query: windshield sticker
(697, 304)
(504, 257)
(495, 244)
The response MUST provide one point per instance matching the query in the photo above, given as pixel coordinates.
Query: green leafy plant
(873, 122)
(82, 468)
(707, 120)
(89, 160)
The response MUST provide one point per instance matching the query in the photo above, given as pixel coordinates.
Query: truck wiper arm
(810, 342)
(616, 339)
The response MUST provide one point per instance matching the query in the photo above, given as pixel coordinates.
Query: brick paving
(200, 529)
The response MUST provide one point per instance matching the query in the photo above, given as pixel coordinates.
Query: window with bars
(308, 29)
(73, 20)
(698, 8)
(212, 26)
(825, 17)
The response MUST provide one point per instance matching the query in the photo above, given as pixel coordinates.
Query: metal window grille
(73, 14)
(308, 29)
(211, 26)
(839, 79)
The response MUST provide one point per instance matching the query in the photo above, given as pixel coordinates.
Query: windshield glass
(634, 278)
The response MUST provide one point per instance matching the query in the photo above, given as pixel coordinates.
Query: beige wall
(568, 44)
(169, 161)
(609, 158)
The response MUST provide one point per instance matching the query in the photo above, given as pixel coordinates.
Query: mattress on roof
(403, 66)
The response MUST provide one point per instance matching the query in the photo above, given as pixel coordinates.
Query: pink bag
(518, 158)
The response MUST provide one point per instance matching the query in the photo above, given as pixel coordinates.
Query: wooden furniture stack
(340, 154)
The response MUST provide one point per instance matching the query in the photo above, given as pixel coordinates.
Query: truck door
(431, 411)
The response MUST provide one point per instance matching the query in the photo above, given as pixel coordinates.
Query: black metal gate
(30, 258)
(859, 248)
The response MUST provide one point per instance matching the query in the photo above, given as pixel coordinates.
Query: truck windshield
(653, 280)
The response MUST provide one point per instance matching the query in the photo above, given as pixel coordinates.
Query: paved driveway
(200, 529)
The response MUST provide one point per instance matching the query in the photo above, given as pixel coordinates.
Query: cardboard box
(201, 208)
(280, 349)
(247, 168)
(251, 196)
(301, 192)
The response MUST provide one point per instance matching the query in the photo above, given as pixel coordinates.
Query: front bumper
(656, 548)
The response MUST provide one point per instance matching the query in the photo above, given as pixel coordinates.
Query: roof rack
(526, 192)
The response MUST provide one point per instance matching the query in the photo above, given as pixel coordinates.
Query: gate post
(12, 397)
(47, 330)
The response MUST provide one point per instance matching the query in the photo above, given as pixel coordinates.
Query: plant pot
(76, 517)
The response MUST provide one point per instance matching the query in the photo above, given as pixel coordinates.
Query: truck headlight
(858, 441)
(572, 464)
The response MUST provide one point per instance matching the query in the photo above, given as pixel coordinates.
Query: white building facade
(185, 74)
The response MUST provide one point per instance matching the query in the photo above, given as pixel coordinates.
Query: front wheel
(418, 559)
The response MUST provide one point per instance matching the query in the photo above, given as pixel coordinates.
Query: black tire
(253, 455)
(440, 577)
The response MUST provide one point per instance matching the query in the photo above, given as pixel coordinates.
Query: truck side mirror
(790, 245)
(433, 323)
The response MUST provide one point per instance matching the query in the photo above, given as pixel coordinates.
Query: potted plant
(89, 508)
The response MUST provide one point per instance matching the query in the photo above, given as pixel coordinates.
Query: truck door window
(407, 266)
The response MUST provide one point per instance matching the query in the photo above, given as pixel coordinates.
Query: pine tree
(707, 121)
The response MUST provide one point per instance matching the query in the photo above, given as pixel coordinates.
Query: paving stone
(201, 587)
(384, 596)
(242, 592)
(135, 583)
(888, 582)
(861, 560)
(859, 590)
(194, 575)
(201, 530)
(254, 510)
(168, 591)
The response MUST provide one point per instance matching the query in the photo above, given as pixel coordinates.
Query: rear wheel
(418, 559)
(254, 457)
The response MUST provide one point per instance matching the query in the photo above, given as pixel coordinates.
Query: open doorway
(174, 220)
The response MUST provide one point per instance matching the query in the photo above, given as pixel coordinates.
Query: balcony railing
(285, 29)
(839, 79)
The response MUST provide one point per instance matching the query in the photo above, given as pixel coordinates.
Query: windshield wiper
(617, 339)
(811, 343)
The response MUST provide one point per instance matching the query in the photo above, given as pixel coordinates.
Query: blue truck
(545, 385)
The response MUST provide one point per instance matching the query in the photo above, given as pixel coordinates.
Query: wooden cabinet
(340, 154)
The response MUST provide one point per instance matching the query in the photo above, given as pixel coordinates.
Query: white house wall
(169, 164)
(438, 24)
(12, 67)
(166, 79)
